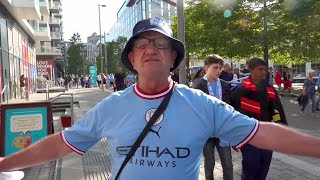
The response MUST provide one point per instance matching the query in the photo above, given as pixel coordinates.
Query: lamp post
(265, 33)
(181, 37)
(100, 46)
(105, 52)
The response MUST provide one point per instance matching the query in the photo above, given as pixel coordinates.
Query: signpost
(23, 124)
(93, 74)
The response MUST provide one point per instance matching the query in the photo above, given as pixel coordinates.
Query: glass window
(300, 70)
(4, 34)
(155, 10)
(316, 66)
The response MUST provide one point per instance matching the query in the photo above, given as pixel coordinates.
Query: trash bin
(65, 121)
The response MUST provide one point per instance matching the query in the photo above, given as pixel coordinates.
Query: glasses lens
(141, 43)
(162, 43)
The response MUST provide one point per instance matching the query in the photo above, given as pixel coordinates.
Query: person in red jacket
(277, 79)
(256, 98)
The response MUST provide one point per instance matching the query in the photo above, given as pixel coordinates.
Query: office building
(133, 11)
(91, 52)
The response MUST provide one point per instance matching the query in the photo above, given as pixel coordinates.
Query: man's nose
(151, 48)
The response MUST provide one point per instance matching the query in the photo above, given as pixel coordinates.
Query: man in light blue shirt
(172, 149)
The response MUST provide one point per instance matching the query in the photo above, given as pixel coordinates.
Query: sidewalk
(95, 163)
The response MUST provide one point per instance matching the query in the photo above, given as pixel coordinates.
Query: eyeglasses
(160, 43)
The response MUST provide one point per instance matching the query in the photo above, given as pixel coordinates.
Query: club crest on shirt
(149, 114)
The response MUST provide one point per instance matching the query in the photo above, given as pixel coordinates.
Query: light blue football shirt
(172, 149)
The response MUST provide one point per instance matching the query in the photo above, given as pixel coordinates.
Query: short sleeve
(83, 134)
(232, 126)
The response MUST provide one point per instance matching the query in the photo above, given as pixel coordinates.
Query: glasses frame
(153, 41)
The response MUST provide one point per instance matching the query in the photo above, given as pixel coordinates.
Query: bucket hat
(158, 25)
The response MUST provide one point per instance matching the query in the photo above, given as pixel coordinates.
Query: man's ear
(173, 56)
(130, 56)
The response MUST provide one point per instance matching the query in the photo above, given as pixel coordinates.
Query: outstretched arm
(46, 150)
(282, 139)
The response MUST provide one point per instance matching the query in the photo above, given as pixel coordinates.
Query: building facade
(30, 43)
(91, 52)
(133, 11)
(17, 45)
(94, 38)
(50, 59)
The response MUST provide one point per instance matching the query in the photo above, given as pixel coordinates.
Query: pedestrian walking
(22, 81)
(111, 78)
(119, 80)
(82, 81)
(256, 98)
(309, 89)
(286, 80)
(99, 80)
(173, 135)
(130, 79)
(245, 72)
(269, 76)
(278, 80)
(197, 77)
(211, 85)
(76, 81)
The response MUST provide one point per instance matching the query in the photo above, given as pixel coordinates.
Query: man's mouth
(150, 60)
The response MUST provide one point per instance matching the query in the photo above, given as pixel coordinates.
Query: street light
(105, 52)
(181, 37)
(100, 48)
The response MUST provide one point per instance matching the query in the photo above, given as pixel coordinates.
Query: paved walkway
(95, 164)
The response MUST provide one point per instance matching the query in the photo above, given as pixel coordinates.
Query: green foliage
(293, 34)
(75, 59)
(114, 49)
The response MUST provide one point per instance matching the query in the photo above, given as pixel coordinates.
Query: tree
(234, 29)
(114, 50)
(218, 32)
(75, 56)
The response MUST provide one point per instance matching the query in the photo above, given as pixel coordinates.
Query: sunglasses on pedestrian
(160, 43)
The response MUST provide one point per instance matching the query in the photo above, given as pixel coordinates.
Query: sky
(82, 16)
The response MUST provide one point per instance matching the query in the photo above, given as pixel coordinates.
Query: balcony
(55, 22)
(42, 33)
(55, 7)
(57, 15)
(56, 36)
(27, 9)
(52, 51)
(44, 7)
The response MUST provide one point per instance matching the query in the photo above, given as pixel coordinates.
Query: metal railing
(6, 87)
(69, 95)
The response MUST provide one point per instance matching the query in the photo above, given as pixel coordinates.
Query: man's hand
(236, 149)
(43, 151)
(1, 163)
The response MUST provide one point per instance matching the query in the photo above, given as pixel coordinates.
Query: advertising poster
(23, 125)
(93, 74)
(45, 67)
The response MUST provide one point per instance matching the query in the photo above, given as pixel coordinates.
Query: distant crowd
(116, 82)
